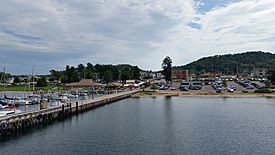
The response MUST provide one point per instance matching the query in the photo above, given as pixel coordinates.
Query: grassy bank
(26, 88)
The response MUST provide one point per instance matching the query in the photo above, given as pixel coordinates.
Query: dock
(27, 120)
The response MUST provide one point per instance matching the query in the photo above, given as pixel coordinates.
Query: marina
(29, 119)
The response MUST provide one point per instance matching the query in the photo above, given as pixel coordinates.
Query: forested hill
(232, 63)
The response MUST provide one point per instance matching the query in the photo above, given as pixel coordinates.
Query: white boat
(7, 111)
(2, 107)
(22, 102)
(19, 101)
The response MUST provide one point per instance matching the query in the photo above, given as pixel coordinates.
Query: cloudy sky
(52, 33)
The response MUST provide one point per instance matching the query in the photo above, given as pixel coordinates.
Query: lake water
(158, 125)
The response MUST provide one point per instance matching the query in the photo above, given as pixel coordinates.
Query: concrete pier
(27, 120)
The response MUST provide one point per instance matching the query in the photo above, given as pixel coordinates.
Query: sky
(50, 34)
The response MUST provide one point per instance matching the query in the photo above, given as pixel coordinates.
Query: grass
(26, 88)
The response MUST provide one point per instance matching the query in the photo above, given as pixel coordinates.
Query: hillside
(232, 63)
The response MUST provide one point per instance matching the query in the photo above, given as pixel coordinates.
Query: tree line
(100, 72)
(232, 63)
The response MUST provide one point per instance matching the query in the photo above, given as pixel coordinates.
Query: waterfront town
(36, 100)
(137, 77)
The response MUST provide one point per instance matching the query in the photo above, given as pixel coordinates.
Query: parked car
(219, 90)
(184, 88)
(195, 85)
(249, 87)
(245, 90)
(163, 87)
(231, 90)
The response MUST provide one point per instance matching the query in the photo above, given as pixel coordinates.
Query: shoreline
(199, 94)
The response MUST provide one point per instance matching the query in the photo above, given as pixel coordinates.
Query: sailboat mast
(4, 82)
(33, 79)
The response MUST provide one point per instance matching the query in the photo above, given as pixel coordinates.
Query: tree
(268, 84)
(56, 75)
(108, 77)
(90, 67)
(7, 76)
(74, 75)
(167, 68)
(89, 74)
(136, 73)
(125, 74)
(154, 87)
(16, 80)
(81, 69)
(271, 76)
(42, 82)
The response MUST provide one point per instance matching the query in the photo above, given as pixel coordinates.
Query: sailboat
(6, 109)
(33, 97)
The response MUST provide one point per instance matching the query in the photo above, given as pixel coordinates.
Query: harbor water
(158, 125)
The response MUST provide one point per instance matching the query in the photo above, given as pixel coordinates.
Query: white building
(259, 72)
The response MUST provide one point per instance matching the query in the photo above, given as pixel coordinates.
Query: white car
(230, 90)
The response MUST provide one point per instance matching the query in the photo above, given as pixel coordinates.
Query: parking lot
(175, 86)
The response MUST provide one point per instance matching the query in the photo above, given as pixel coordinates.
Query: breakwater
(28, 120)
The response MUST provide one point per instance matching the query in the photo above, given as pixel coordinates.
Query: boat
(3, 102)
(3, 106)
(17, 101)
(9, 110)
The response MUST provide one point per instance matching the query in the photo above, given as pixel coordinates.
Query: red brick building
(180, 74)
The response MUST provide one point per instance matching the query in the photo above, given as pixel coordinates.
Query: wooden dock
(27, 120)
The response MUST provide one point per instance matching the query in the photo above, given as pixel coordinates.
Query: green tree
(16, 80)
(224, 83)
(271, 76)
(81, 69)
(125, 74)
(167, 68)
(90, 67)
(108, 77)
(89, 74)
(268, 84)
(7, 76)
(42, 82)
(136, 73)
(56, 75)
(74, 75)
(154, 87)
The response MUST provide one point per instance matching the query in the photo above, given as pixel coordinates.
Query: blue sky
(52, 33)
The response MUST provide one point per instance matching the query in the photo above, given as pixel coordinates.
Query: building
(259, 72)
(87, 83)
(150, 75)
(180, 74)
(211, 75)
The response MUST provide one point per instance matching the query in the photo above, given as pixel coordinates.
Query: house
(180, 74)
(259, 72)
(130, 81)
(150, 74)
(211, 75)
(87, 83)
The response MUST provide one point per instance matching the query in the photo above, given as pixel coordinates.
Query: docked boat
(9, 110)
(17, 101)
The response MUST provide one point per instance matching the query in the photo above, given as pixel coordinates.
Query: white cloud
(140, 32)
(243, 26)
